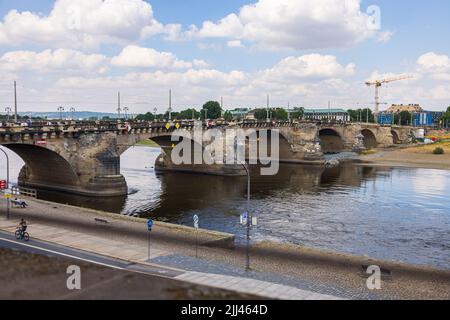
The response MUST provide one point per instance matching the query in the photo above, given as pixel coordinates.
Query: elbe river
(387, 213)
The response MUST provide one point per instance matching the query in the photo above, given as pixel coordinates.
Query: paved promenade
(139, 255)
(308, 269)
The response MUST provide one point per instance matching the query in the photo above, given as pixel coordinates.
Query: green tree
(188, 114)
(213, 110)
(445, 119)
(361, 115)
(146, 117)
(403, 118)
(173, 115)
(280, 114)
(261, 114)
(297, 113)
(228, 116)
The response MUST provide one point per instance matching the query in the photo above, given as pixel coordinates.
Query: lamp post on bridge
(60, 109)
(72, 111)
(8, 111)
(125, 110)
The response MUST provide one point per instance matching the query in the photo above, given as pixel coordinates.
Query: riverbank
(411, 156)
(327, 272)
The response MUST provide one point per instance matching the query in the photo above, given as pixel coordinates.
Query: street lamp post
(72, 110)
(60, 109)
(155, 111)
(249, 219)
(8, 111)
(248, 223)
(125, 110)
(7, 182)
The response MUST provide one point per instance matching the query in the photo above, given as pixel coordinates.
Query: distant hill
(83, 115)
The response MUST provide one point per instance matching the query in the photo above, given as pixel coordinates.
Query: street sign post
(196, 234)
(244, 218)
(149, 228)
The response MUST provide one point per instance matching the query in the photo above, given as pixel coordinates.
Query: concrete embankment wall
(94, 221)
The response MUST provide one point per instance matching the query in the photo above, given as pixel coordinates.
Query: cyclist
(22, 226)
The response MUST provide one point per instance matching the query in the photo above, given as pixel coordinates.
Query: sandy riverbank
(412, 157)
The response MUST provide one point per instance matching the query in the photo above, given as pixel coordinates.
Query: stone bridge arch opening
(44, 168)
(330, 141)
(395, 137)
(370, 141)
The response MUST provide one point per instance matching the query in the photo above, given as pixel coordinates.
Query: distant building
(250, 115)
(419, 119)
(239, 113)
(397, 108)
(326, 114)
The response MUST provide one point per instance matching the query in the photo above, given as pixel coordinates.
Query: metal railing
(25, 192)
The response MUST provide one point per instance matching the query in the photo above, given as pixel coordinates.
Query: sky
(81, 53)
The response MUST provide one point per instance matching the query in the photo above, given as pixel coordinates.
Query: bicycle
(22, 235)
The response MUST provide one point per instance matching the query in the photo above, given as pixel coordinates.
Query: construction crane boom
(377, 84)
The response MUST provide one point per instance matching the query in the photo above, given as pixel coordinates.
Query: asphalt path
(7, 240)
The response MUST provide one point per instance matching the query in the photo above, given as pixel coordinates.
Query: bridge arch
(43, 167)
(370, 140)
(395, 137)
(331, 141)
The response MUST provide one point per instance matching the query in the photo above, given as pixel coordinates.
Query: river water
(386, 213)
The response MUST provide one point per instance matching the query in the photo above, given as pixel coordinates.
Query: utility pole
(170, 105)
(118, 105)
(72, 111)
(60, 109)
(329, 111)
(289, 112)
(8, 111)
(15, 101)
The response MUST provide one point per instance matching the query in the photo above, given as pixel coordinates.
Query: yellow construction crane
(378, 84)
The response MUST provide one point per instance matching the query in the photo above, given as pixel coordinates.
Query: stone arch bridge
(84, 157)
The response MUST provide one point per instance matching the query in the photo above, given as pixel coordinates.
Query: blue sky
(308, 55)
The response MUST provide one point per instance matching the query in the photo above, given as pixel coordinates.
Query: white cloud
(433, 63)
(138, 57)
(298, 24)
(235, 44)
(441, 92)
(313, 66)
(61, 60)
(82, 24)
(384, 36)
(303, 78)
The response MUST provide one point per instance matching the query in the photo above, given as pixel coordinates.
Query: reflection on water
(396, 214)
